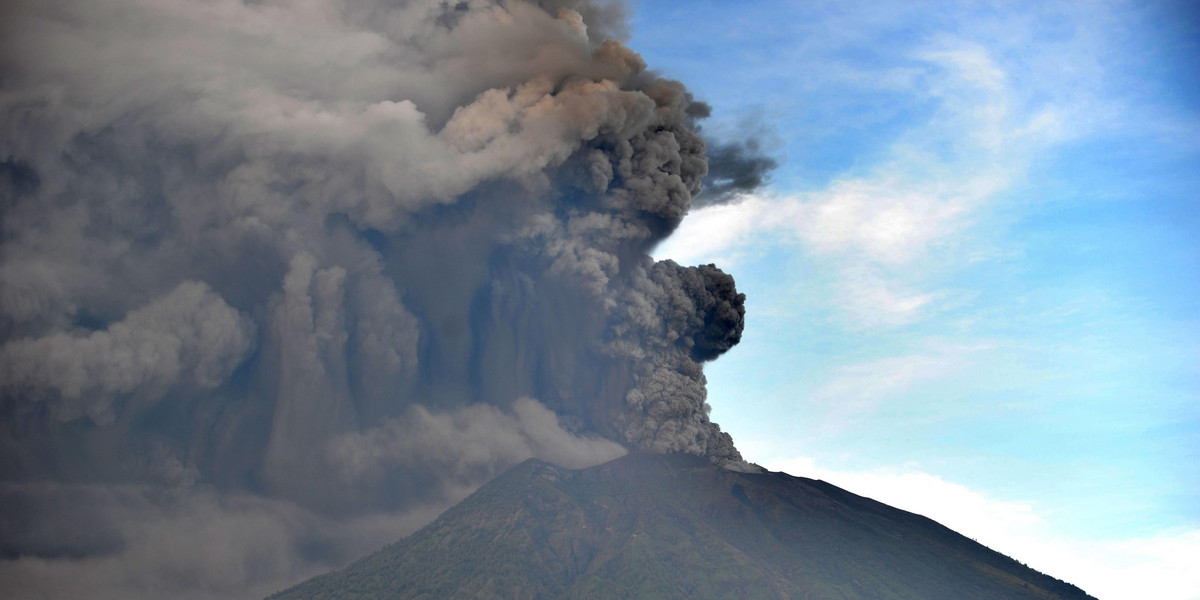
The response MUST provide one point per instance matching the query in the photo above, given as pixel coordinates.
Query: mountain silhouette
(677, 526)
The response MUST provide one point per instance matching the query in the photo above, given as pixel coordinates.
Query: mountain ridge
(677, 526)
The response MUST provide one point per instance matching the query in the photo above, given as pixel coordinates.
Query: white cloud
(972, 64)
(871, 381)
(855, 391)
(886, 222)
(708, 234)
(872, 300)
(1158, 566)
(891, 232)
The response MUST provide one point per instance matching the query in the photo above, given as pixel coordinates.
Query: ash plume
(282, 280)
(734, 168)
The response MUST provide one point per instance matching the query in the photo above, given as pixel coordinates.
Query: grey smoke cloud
(283, 280)
(734, 168)
(190, 337)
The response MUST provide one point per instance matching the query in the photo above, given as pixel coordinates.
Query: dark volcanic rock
(675, 526)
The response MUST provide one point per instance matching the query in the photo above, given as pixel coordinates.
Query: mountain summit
(676, 526)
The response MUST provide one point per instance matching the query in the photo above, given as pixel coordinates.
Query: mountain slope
(675, 526)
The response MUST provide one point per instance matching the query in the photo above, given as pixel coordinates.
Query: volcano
(677, 526)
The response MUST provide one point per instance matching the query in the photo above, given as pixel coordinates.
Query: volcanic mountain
(677, 526)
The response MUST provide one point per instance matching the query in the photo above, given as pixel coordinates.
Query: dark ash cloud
(280, 281)
(734, 168)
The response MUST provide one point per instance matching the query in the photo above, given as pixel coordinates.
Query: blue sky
(974, 281)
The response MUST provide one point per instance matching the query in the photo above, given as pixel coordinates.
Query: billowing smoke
(282, 280)
(733, 169)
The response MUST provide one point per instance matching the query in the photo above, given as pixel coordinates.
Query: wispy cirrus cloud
(1014, 176)
(890, 231)
(854, 391)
